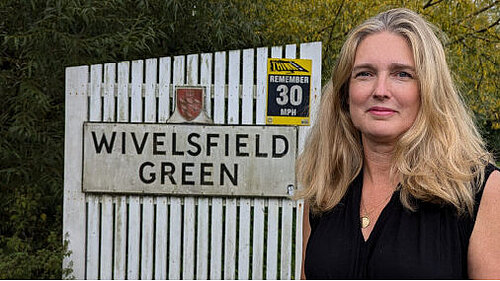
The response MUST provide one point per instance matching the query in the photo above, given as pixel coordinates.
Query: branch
(473, 50)
(430, 3)
(478, 85)
(332, 27)
(491, 25)
(461, 20)
(482, 10)
(475, 31)
(487, 39)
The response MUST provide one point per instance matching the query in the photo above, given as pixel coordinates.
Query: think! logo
(285, 65)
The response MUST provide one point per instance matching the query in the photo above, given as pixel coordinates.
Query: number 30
(295, 95)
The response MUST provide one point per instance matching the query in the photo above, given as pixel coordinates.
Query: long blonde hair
(438, 158)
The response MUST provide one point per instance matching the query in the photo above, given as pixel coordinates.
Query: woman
(397, 181)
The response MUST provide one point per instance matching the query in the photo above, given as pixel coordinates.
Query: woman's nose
(381, 88)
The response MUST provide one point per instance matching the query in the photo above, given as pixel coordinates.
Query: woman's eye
(403, 74)
(362, 74)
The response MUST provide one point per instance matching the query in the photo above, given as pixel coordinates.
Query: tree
(470, 35)
(38, 40)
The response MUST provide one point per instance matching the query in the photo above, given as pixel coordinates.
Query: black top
(430, 243)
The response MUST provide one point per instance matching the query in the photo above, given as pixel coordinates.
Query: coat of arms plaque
(190, 106)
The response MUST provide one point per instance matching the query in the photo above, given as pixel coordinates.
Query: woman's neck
(378, 163)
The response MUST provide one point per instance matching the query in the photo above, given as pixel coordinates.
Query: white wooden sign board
(160, 236)
(189, 159)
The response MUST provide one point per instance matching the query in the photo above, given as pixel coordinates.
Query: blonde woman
(396, 178)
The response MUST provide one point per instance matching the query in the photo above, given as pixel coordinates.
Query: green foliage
(38, 39)
(473, 43)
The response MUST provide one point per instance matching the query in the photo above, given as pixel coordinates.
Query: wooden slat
(178, 73)
(134, 235)
(260, 114)
(273, 216)
(287, 212)
(218, 117)
(149, 91)
(174, 261)
(136, 91)
(174, 267)
(189, 239)
(311, 51)
(161, 238)
(233, 111)
(134, 227)
(202, 239)
(276, 52)
(272, 239)
(206, 80)
(291, 51)
(147, 238)
(219, 88)
(192, 70)
(109, 92)
(95, 114)
(247, 87)
(298, 238)
(179, 65)
(164, 90)
(244, 240)
(123, 94)
(74, 206)
(258, 220)
(233, 98)
(120, 249)
(286, 239)
(93, 238)
(216, 239)
(106, 256)
(230, 240)
(120, 242)
(148, 206)
(258, 239)
(95, 92)
(201, 243)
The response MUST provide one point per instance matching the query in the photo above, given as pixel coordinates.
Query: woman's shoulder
(491, 184)
(484, 251)
(490, 188)
(491, 178)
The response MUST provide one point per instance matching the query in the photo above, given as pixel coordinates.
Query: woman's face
(384, 96)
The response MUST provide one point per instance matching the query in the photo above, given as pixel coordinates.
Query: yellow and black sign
(288, 91)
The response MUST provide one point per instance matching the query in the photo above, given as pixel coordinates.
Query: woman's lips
(381, 111)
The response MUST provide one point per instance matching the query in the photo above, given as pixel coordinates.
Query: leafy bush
(38, 40)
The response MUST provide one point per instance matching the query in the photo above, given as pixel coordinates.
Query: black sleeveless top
(430, 243)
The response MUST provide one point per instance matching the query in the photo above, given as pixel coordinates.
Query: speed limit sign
(288, 91)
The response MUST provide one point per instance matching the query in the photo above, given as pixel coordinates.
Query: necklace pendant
(365, 222)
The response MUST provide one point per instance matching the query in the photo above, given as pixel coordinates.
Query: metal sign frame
(288, 91)
(188, 159)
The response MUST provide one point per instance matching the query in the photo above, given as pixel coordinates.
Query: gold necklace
(365, 219)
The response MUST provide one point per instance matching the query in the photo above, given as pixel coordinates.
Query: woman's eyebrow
(363, 66)
(371, 66)
(402, 66)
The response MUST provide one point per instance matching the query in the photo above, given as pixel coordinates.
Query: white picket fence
(169, 237)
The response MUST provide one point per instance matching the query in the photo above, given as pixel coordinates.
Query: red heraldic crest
(190, 106)
(190, 102)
